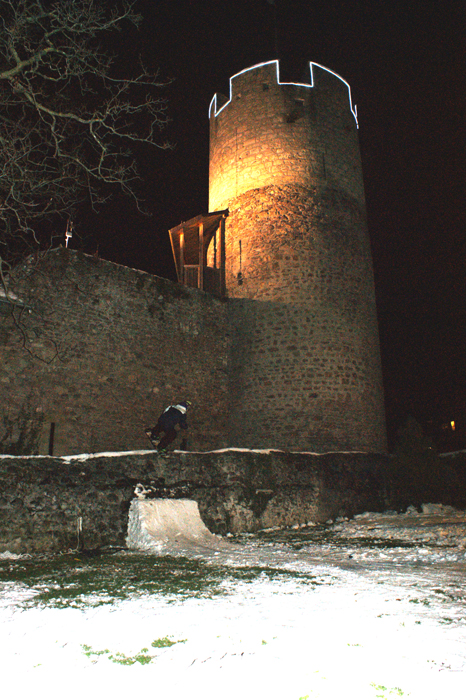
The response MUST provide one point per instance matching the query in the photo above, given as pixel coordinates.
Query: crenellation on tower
(260, 137)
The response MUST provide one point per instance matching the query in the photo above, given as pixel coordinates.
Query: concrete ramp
(168, 526)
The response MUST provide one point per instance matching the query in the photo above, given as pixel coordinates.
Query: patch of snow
(9, 296)
(83, 457)
(161, 522)
(363, 609)
(11, 555)
(91, 455)
(430, 508)
(80, 457)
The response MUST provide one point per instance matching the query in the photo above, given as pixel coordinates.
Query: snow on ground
(369, 608)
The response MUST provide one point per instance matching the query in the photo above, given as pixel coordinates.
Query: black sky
(405, 63)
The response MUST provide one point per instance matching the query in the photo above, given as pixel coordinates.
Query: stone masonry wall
(43, 498)
(285, 161)
(102, 352)
(275, 134)
(307, 370)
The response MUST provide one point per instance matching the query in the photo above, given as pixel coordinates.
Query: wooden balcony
(190, 242)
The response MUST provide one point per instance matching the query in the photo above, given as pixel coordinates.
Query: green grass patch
(142, 657)
(165, 642)
(77, 580)
(387, 693)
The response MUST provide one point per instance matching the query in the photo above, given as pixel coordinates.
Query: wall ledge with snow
(57, 503)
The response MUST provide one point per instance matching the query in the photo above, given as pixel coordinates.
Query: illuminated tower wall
(285, 162)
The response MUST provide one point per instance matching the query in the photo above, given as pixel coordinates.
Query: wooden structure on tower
(190, 242)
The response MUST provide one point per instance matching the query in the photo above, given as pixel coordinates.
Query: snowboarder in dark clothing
(167, 422)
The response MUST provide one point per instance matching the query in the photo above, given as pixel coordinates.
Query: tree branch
(68, 121)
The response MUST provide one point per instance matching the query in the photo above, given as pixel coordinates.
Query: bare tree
(69, 124)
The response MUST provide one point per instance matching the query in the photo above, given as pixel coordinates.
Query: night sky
(405, 63)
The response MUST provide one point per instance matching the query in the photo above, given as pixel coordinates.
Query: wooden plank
(201, 255)
(176, 254)
(182, 273)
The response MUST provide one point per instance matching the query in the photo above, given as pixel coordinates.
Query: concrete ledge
(46, 500)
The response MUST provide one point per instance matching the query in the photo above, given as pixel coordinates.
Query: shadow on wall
(21, 433)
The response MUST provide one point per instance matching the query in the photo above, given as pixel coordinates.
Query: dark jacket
(173, 416)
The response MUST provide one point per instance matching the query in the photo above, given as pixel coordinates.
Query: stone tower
(285, 162)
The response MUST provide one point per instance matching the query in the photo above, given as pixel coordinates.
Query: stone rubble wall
(100, 350)
(43, 498)
(305, 354)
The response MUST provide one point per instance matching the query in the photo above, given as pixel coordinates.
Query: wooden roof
(190, 229)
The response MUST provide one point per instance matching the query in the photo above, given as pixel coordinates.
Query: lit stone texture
(285, 161)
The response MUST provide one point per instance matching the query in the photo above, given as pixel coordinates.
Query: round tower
(285, 162)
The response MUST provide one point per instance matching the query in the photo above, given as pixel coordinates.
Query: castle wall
(307, 369)
(102, 352)
(290, 361)
(285, 161)
(43, 498)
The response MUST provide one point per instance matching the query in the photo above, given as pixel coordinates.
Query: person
(173, 416)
